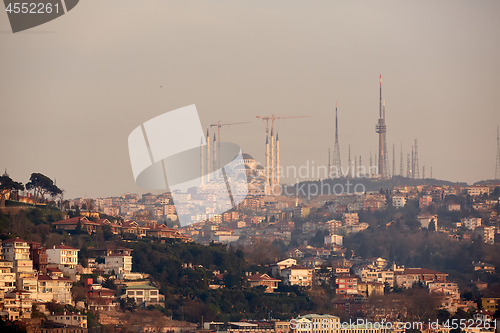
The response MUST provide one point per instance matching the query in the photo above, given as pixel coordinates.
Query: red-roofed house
(263, 280)
(71, 224)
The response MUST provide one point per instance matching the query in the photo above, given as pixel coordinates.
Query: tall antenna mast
(401, 163)
(381, 129)
(415, 165)
(408, 166)
(393, 160)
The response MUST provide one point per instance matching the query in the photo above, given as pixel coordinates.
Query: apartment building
(63, 255)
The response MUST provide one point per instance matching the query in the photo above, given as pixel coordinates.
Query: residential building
(69, 319)
(409, 276)
(263, 280)
(424, 201)
(38, 255)
(426, 219)
(15, 249)
(315, 323)
(7, 277)
(18, 304)
(490, 304)
(54, 288)
(280, 265)
(298, 275)
(350, 219)
(346, 285)
(370, 288)
(144, 294)
(110, 250)
(486, 233)
(398, 201)
(477, 190)
(454, 207)
(77, 223)
(118, 264)
(63, 255)
(334, 239)
(471, 223)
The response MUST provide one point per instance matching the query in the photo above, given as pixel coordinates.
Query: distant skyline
(74, 88)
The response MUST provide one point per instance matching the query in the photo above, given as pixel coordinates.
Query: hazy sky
(73, 89)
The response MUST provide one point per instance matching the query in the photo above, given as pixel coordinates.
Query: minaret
(349, 167)
(412, 164)
(381, 130)
(336, 148)
(360, 165)
(355, 166)
(272, 158)
(208, 157)
(370, 168)
(267, 162)
(277, 160)
(215, 155)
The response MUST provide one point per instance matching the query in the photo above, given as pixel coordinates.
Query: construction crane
(219, 125)
(273, 118)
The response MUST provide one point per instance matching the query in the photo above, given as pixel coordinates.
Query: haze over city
(74, 88)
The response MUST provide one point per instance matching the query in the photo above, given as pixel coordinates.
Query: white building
(54, 288)
(486, 233)
(119, 263)
(144, 294)
(7, 277)
(280, 265)
(69, 319)
(15, 249)
(398, 201)
(426, 219)
(18, 252)
(314, 323)
(477, 190)
(297, 275)
(471, 223)
(334, 239)
(63, 255)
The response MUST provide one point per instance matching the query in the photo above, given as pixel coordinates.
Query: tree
(432, 225)
(41, 186)
(7, 184)
(128, 304)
